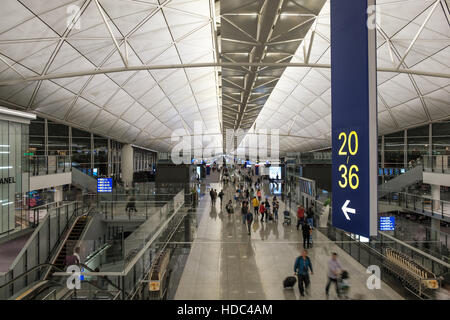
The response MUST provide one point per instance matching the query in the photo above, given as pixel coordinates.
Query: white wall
(50, 180)
(440, 179)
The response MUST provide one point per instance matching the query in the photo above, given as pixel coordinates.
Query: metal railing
(139, 260)
(371, 251)
(38, 248)
(421, 204)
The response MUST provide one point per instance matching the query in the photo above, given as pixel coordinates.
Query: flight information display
(104, 185)
(387, 223)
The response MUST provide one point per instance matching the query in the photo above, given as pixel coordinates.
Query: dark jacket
(301, 266)
(310, 213)
(305, 229)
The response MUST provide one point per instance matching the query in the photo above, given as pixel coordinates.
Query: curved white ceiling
(141, 107)
(300, 104)
(144, 107)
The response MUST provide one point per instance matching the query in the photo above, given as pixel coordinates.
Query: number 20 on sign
(349, 173)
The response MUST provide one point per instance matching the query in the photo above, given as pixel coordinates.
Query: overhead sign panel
(354, 116)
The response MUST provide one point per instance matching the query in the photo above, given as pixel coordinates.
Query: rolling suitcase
(289, 282)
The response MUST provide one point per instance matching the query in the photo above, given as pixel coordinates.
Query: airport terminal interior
(189, 150)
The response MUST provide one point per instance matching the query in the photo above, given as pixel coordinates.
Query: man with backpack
(306, 230)
(221, 194)
(301, 266)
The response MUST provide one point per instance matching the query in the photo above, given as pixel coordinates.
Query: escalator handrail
(105, 278)
(42, 265)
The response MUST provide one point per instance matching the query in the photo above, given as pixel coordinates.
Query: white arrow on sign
(346, 210)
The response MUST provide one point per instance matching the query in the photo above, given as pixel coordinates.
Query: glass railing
(142, 252)
(42, 165)
(422, 204)
(373, 252)
(39, 248)
(437, 163)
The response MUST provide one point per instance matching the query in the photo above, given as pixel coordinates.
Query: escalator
(46, 285)
(69, 245)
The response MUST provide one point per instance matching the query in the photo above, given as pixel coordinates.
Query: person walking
(211, 194)
(249, 218)
(301, 266)
(310, 216)
(255, 204)
(306, 235)
(267, 206)
(229, 207)
(334, 269)
(131, 205)
(244, 211)
(300, 215)
(258, 193)
(262, 209)
(215, 195)
(275, 206)
(221, 194)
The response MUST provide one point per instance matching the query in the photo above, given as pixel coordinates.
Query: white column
(435, 223)
(127, 164)
(435, 229)
(436, 196)
(58, 194)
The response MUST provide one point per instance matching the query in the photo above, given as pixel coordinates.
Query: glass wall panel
(418, 141)
(394, 150)
(81, 149)
(58, 138)
(37, 137)
(441, 138)
(101, 155)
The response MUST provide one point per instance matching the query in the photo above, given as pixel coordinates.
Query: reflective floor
(226, 263)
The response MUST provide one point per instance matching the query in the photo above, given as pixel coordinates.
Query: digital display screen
(104, 185)
(387, 223)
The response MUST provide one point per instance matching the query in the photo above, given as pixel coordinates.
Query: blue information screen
(104, 185)
(354, 118)
(387, 223)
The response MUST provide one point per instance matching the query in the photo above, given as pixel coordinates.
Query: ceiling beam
(205, 65)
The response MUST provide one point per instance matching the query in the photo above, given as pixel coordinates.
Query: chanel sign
(7, 180)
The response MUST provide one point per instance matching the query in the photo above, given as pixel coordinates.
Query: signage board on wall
(387, 223)
(354, 117)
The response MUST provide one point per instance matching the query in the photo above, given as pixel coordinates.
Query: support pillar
(435, 223)
(58, 196)
(436, 196)
(435, 231)
(127, 164)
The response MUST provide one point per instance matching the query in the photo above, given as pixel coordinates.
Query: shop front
(14, 169)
